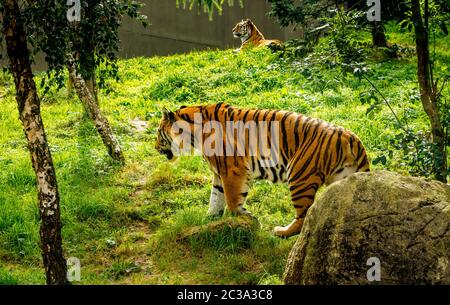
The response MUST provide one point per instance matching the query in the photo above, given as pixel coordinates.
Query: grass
(121, 222)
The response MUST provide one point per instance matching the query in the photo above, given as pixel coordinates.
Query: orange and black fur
(312, 153)
(251, 36)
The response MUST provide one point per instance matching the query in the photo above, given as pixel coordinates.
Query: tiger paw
(290, 230)
(280, 232)
(287, 231)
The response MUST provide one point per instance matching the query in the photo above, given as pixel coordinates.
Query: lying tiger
(251, 36)
(311, 153)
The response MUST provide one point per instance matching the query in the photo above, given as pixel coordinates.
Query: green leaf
(381, 159)
(371, 108)
(443, 27)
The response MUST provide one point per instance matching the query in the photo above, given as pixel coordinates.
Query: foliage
(208, 5)
(343, 49)
(344, 36)
(2, 47)
(439, 14)
(93, 40)
(344, 32)
(417, 151)
(304, 14)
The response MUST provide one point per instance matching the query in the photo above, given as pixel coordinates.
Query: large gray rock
(402, 221)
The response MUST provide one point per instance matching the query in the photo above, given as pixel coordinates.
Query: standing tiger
(311, 153)
(251, 36)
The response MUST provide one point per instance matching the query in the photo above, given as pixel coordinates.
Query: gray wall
(178, 30)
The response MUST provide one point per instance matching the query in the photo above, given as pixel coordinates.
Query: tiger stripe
(312, 153)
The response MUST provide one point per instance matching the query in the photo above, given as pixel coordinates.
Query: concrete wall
(178, 30)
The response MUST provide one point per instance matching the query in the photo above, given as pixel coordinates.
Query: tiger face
(164, 141)
(243, 29)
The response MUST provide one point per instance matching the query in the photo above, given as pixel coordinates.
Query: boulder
(375, 228)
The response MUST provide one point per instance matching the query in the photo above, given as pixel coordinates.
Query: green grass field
(121, 221)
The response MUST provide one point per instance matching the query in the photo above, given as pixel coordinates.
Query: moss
(407, 236)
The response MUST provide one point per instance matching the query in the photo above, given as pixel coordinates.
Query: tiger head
(243, 29)
(175, 130)
(164, 141)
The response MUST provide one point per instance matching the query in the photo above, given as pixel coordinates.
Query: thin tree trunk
(91, 107)
(378, 35)
(69, 88)
(88, 66)
(92, 86)
(428, 95)
(29, 112)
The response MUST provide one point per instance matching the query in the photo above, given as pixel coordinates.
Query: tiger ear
(248, 20)
(165, 112)
(168, 115)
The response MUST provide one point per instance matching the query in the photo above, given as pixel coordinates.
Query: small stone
(111, 242)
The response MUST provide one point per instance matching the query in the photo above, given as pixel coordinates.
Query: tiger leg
(217, 198)
(235, 186)
(303, 191)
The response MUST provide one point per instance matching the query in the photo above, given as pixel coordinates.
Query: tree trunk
(29, 112)
(69, 88)
(88, 64)
(378, 35)
(428, 94)
(92, 86)
(91, 107)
